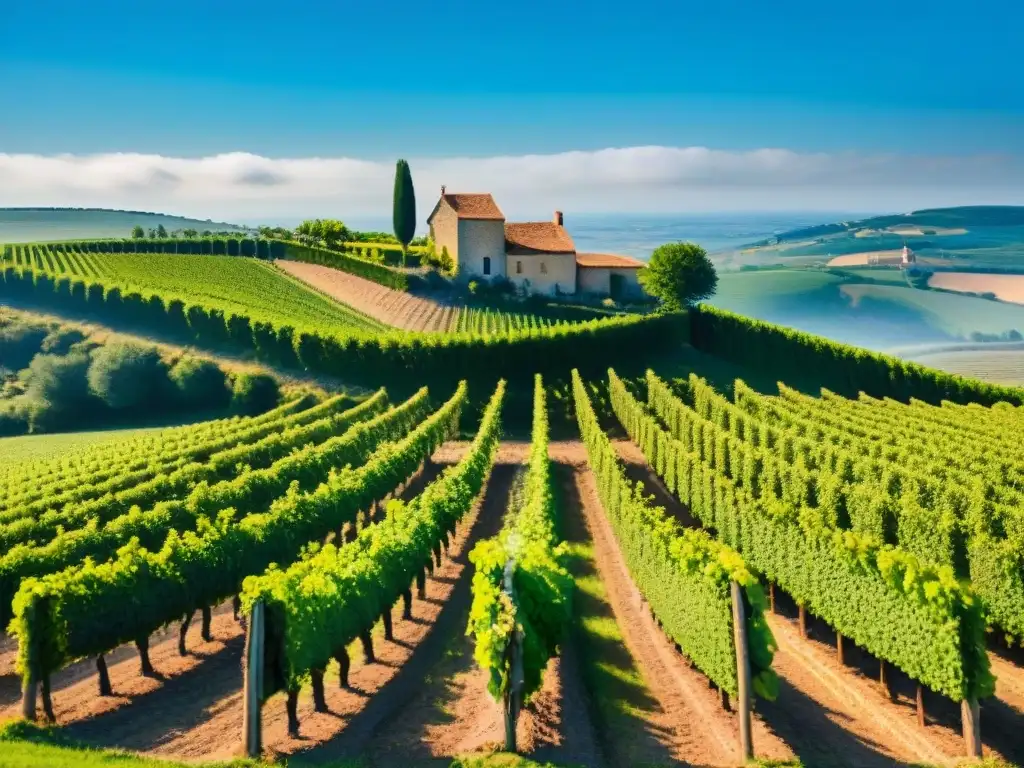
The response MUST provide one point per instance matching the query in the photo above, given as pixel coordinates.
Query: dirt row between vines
(396, 308)
(854, 720)
(193, 708)
(425, 700)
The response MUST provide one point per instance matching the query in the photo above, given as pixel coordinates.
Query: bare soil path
(855, 682)
(453, 714)
(825, 714)
(687, 721)
(396, 308)
(188, 710)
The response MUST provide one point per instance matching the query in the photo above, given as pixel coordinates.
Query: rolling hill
(24, 225)
(964, 298)
(970, 238)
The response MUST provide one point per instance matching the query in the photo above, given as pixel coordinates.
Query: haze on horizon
(665, 109)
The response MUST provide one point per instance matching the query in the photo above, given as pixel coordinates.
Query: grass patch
(26, 745)
(499, 760)
(36, 447)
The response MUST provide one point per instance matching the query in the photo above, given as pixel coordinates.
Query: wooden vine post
(739, 622)
(970, 714)
(252, 694)
(513, 696)
(28, 696)
(30, 682)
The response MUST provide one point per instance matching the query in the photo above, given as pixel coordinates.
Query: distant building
(538, 256)
(907, 257)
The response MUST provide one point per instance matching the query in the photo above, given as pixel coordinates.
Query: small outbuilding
(608, 274)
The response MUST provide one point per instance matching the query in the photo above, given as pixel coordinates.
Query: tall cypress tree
(404, 212)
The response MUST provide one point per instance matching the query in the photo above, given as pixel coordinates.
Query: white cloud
(244, 187)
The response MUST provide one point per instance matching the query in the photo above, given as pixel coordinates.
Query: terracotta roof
(537, 236)
(608, 260)
(474, 206)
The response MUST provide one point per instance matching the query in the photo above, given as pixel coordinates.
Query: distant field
(36, 447)
(875, 274)
(738, 290)
(1003, 366)
(232, 284)
(884, 314)
(1005, 287)
(980, 237)
(915, 231)
(42, 225)
(958, 316)
(864, 257)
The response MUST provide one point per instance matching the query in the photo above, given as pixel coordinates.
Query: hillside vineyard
(628, 550)
(248, 305)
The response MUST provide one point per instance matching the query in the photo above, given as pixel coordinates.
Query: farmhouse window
(519, 267)
(543, 268)
(487, 265)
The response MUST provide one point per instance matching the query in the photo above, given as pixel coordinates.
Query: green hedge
(391, 253)
(916, 616)
(217, 246)
(392, 357)
(541, 602)
(319, 605)
(354, 265)
(90, 609)
(683, 574)
(797, 357)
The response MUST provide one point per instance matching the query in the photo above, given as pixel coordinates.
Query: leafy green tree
(404, 210)
(332, 232)
(161, 231)
(679, 274)
(190, 233)
(138, 232)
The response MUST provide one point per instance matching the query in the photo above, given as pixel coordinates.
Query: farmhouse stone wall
(597, 281)
(544, 271)
(445, 230)
(480, 239)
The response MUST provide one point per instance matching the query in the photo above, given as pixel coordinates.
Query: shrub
(445, 262)
(57, 389)
(14, 417)
(199, 383)
(127, 375)
(19, 343)
(61, 340)
(253, 393)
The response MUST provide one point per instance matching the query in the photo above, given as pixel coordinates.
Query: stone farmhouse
(537, 256)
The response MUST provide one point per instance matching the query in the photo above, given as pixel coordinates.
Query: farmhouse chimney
(442, 190)
(558, 218)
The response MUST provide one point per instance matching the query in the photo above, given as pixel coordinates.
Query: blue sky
(378, 80)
